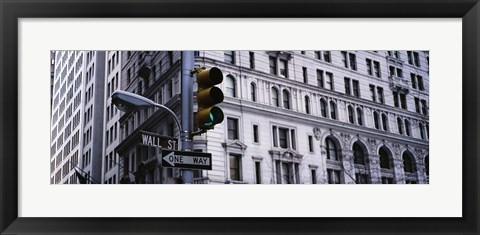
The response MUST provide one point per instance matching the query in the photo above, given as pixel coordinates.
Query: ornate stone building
(297, 117)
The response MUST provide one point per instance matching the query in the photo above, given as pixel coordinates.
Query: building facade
(299, 117)
(78, 101)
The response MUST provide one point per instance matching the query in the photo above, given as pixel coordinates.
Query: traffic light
(208, 95)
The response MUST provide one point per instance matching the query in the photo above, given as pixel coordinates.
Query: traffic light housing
(208, 95)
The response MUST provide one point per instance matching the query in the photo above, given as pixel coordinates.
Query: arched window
(407, 127)
(400, 126)
(230, 86)
(384, 122)
(384, 159)
(358, 154)
(407, 162)
(331, 149)
(323, 108)
(253, 92)
(307, 105)
(350, 114)
(359, 116)
(286, 99)
(376, 120)
(427, 165)
(275, 97)
(333, 110)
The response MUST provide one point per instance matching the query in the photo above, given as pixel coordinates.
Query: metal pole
(187, 110)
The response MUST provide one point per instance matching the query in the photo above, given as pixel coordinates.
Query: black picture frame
(11, 11)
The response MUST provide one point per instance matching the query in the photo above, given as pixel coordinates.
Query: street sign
(156, 140)
(189, 160)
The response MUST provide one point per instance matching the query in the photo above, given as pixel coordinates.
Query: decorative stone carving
(372, 144)
(317, 132)
(396, 148)
(419, 153)
(345, 138)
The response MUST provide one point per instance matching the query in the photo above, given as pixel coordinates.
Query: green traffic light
(211, 119)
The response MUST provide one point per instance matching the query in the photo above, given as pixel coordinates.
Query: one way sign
(189, 160)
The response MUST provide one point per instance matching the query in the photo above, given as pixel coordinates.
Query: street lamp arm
(180, 128)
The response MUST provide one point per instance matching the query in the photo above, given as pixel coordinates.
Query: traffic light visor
(209, 77)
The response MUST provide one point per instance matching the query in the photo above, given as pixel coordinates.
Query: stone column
(421, 173)
(398, 171)
(348, 166)
(374, 169)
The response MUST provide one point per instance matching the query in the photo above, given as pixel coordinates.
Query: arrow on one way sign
(183, 159)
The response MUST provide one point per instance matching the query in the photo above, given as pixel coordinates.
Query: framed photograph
(299, 114)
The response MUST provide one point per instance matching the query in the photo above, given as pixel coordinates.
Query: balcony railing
(200, 180)
(399, 83)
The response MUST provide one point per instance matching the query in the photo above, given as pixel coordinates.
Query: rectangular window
(310, 143)
(353, 61)
(229, 57)
(258, 173)
(305, 75)
(287, 176)
(417, 105)
(380, 95)
(333, 176)
(232, 124)
(399, 73)
(329, 81)
(347, 86)
(424, 107)
(273, 65)
(413, 79)
(320, 78)
(234, 161)
(292, 138)
(327, 57)
(395, 99)
(274, 133)
(132, 163)
(376, 68)
(314, 176)
(283, 137)
(403, 101)
(372, 92)
(252, 60)
(284, 68)
(409, 55)
(255, 133)
(391, 70)
(416, 59)
(356, 89)
(318, 55)
(369, 66)
(420, 83)
(344, 59)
